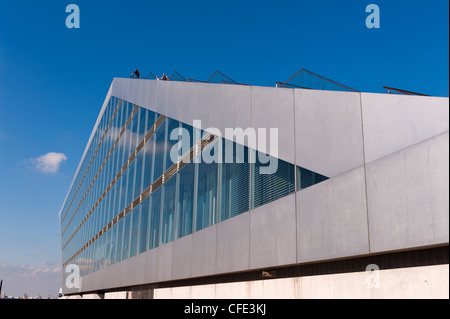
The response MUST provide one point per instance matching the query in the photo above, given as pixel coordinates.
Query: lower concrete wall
(92, 296)
(117, 295)
(428, 282)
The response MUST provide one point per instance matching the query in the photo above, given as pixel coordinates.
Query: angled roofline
(176, 73)
(319, 76)
(403, 91)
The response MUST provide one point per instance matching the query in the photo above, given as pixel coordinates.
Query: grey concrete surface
(408, 197)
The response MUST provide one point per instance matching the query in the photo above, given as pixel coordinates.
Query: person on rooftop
(164, 77)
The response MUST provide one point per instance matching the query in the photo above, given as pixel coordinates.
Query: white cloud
(41, 280)
(49, 163)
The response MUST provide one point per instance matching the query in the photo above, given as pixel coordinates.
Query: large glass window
(130, 183)
(114, 195)
(206, 201)
(123, 191)
(126, 236)
(272, 186)
(148, 163)
(234, 180)
(90, 262)
(188, 137)
(151, 119)
(125, 140)
(142, 123)
(108, 247)
(115, 129)
(155, 211)
(102, 255)
(94, 255)
(168, 211)
(134, 231)
(132, 135)
(185, 201)
(307, 178)
(138, 174)
(143, 225)
(158, 164)
(171, 126)
(119, 240)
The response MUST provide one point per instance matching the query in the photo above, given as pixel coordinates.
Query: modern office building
(215, 189)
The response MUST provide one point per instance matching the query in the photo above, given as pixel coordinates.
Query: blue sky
(53, 81)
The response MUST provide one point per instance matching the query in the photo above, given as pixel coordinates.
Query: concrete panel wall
(408, 197)
(429, 282)
(137, 269)
(209, 99)
(233, 244)
(140, 92)
(332, 218)
(178, 100)
(92, 296)
(122, 90)
(151, 265)
(113, 277)
(165, 262)
(394, 122)
(182, 258)
(328, 131)
(273, 234)
(235, 106)
(116, 295)
(274, 108)
(204, 251)
(133, 271)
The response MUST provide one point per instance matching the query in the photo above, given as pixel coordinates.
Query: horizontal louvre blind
(307, 178)
(206, 195)
(235, 182)
(207, 188)
(270, 187)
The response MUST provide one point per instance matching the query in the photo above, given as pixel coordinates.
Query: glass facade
(270, 187)
(234, 179)
(129, 196)
(206, 186)
(185, 201)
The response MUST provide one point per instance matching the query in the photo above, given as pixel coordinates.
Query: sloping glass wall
(139, 197)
